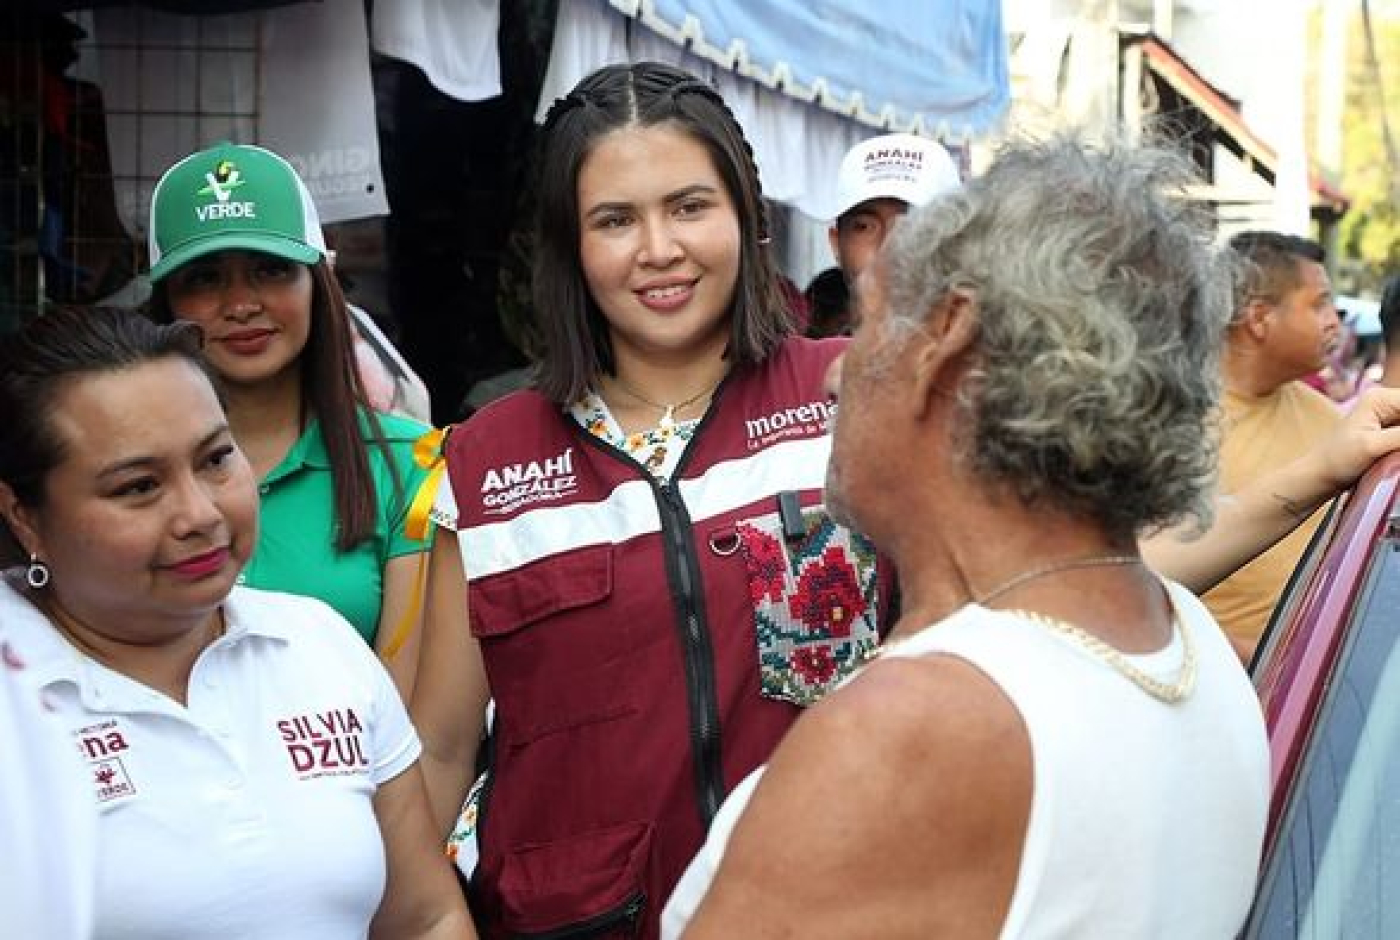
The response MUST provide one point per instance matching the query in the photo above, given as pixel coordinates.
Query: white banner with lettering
(295, 79)
(318, 105)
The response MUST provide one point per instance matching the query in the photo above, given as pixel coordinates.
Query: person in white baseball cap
(879, 179)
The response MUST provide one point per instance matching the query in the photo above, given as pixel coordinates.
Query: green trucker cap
(232, 196)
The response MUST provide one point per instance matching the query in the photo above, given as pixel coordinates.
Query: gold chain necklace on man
(1088, 561)
(1170, 693)
(668, 412)
(1162, 691)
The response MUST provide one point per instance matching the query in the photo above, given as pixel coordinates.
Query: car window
(1336, 867)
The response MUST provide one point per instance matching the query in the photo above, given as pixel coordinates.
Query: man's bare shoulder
(932, 718)
(917, 773)
(898, 703)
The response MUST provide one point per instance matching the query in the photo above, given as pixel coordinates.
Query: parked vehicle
(1328, 674)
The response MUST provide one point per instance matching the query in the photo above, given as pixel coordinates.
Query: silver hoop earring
(37, 574)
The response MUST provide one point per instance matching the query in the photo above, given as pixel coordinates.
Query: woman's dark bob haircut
(41, 359)
(576, 347)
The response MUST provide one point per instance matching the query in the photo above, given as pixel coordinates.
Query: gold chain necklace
(668, 412)
(1162, 691)
(1171, 693)
(1088, 561)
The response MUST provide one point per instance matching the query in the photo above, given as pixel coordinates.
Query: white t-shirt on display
(454, 42)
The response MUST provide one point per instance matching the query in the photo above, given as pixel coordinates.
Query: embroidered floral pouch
(814, 600)
(461, 844)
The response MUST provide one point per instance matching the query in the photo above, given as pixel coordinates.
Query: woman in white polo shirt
(255, 770)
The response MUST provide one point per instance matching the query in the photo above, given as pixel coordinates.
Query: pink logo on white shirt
(328, 743)
(101, 746)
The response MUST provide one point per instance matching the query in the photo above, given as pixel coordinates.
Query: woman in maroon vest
(655, 590)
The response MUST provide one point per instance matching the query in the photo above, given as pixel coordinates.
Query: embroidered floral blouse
(658, 449)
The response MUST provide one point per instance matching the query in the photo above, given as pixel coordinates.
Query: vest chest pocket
(512, 600)
(554, 658)
(813, 587)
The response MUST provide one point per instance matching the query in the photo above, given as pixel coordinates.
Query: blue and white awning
(807, 79)
(932, 68)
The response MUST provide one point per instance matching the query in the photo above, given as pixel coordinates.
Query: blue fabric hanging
(937, 68)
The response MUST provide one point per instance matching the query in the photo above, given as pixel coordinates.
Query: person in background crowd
(655, 588)
(236, 247)
(1390, 333)
(255, 766)
(1054, 740)
(1284, 323)
(1267, 508)
(829, 299)
(878, 181)
(1340, 373)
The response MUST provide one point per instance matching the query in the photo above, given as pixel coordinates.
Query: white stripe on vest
(630, 510)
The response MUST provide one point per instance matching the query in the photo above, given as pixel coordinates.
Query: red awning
(1230, 126)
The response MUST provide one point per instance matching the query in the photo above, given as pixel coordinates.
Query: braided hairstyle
(576, 344)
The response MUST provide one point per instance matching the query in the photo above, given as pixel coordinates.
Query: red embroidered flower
(828, 596)
(767, 564)
(814, 664)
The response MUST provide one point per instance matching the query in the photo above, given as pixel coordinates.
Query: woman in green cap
(236, 247)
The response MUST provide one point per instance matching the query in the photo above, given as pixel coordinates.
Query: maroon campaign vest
(647, 645)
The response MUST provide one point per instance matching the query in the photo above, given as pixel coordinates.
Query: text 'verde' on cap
(232, 196)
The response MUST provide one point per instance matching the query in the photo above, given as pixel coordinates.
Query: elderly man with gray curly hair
(1056, 741)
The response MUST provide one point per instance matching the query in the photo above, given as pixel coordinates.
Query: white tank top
(1147, 819)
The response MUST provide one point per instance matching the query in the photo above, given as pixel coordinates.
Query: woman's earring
(37, 574)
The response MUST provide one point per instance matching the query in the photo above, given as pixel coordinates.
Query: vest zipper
(626, 914)
(688, 595)
(684, 568)
(684, 571)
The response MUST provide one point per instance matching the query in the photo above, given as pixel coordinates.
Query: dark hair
(575, 342)
(1270, 267)
(1390, 315)
(332, 392)
(829, 303)
(37, 361)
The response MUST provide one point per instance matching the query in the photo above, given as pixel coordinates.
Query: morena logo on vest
(810, 420)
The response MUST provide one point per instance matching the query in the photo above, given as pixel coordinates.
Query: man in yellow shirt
(1283, 326)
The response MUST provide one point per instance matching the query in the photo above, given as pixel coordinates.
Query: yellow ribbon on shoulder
(429, 453)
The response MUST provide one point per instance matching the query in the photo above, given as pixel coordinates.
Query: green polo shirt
(296, 544)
